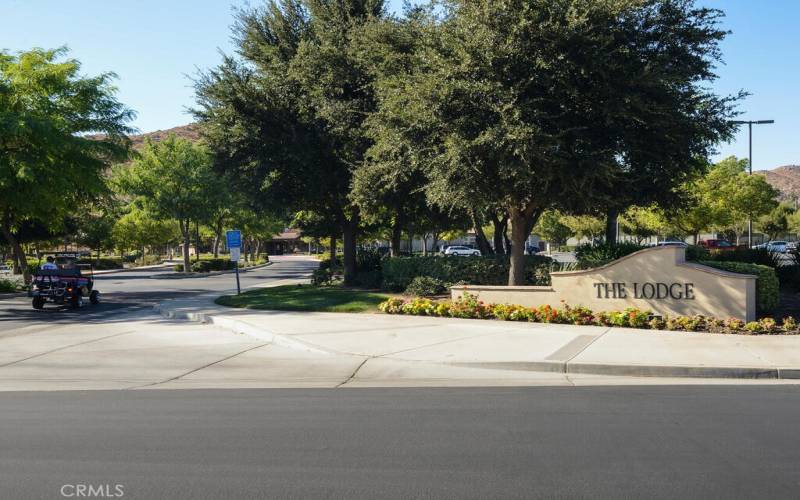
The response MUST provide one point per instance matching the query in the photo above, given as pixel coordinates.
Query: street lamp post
(750, 124)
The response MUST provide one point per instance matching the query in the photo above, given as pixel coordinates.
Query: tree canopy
(49, 166)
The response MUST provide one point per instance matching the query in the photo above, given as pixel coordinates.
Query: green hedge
(103, 263)
(767, 286)
(399, 272)
(590, 256)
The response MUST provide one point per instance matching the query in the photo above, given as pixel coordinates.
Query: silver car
(4, 269)
(462, 251)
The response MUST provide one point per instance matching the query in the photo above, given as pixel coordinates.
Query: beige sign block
(657, 279)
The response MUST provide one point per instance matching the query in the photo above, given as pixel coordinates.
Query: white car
(462, 251)
(4, 269)
(672, 243)
(777, 246)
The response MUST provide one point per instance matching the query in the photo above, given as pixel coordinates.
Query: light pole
(750, 124)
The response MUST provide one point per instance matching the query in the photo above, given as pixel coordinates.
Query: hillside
(190, 132)
(785, 179)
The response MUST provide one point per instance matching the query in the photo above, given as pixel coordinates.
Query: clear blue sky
(152, 46)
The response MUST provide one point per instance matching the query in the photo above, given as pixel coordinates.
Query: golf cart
(67, 285)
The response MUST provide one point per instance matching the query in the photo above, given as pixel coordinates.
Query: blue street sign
(234, 239)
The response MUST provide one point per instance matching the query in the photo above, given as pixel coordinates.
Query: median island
(307, 298)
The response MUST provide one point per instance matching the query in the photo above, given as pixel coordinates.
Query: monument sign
(657, 279)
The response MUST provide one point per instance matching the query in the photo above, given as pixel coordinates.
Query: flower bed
(469, 307)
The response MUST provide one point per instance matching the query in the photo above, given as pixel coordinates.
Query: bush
(326, 263)
(589, 256)
(767, 286)
(321, 277)
(696, 252)
(789, 277)
(208, 265)
(368, 279)
(425, 286)
(368, 259)
(103, 263)
(8, 286)
(399, 272)
(760, 256)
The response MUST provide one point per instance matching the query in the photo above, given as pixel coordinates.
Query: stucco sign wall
(658, 279)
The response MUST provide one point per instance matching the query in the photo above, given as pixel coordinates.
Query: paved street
(630, 442)
(128, 292)
(573, 436)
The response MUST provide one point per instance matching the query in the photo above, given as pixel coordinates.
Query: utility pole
(750, 124)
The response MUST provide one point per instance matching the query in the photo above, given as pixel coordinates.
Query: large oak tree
(526, 105)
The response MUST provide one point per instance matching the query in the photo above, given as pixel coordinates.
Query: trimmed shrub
(103, 263)
(696, 252)
(767, 286)
(208, 265)
(425, 286)
(789, 277)
(760, 256)
(589, 256)
(399, 272)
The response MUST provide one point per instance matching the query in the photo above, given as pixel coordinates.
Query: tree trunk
(522, 222)
(185, 230)
(507, 241)
(425, 245)
(611, 226)
(500, 224)
(333, 251)
(349, 252)
(480, 236)
(20, 262)
(397, 233)
(216, 246)
(197, 241)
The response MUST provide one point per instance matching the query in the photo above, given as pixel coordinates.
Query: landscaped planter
(655, 279)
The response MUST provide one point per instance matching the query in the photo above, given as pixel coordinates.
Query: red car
(721, 245)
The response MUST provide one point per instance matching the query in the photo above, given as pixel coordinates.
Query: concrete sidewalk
(408, 346)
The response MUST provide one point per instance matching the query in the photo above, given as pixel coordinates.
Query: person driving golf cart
(49, 265)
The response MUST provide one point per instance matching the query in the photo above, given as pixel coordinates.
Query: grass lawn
(306, 298)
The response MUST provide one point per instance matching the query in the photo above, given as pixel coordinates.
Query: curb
(178, 276)
(655, 371)
(238, 326)
(14, 295)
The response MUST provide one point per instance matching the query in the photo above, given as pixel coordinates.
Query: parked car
(777, 246)
(721, 245)
(4, 269)
(462, 251)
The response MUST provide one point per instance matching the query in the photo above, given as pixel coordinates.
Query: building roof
(288, 234)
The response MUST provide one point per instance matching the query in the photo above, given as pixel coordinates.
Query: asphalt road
(128, 292)
(621, 442)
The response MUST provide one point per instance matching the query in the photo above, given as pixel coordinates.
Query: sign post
(234, 243)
